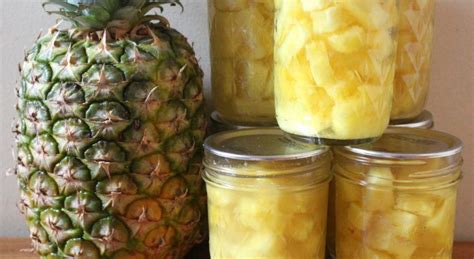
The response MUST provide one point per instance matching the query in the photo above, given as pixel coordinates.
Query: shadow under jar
(415, 45)
(396, 198)
(241, 35)
(267, 195)
(334, 68)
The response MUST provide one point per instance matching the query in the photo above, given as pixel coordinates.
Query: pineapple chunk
(366, 252)
(293, 43)
(251, 79)
(313, 5)
(300, 69)
(443, 219)
(255, 34)
(348, 41)
(415, 203)
(253, 211)
(230, 5)
(369, 13)
(347, 191)
(393, 232)
(302, 227)
(318, 57)
(330, 20)
(358, 217)
(263, 244)
(379, 192)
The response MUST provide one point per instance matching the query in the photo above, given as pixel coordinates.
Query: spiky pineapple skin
(109, 134)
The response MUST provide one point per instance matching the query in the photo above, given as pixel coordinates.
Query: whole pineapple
(111, 120)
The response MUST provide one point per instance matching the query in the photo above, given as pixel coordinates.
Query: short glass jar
(396, 198)
(423, 121)
(415, 44)
(241, 35)
(267, 195)
(334, 68)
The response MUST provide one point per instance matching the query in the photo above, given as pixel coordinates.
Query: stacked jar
(242, 61)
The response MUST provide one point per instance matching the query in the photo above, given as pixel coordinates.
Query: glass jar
(334, 68)
(415, 44)
(422, 121)
(267, 195)
(396, 198)
(242, 60)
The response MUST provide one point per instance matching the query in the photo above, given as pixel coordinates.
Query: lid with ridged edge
(260, 144)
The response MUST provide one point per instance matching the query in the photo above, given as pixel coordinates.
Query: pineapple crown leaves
(102, 14)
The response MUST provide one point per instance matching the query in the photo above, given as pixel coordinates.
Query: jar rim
(442, 145)
(423, 121)
(243, 145)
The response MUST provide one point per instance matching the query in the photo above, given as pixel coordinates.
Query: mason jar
(334, 68)
(241, 35)
(267, 195)
(422, 121)
(396, 198)
(412, 77)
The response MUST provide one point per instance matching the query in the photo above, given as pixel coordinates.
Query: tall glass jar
(267, 195)
(334, 68)
(242, 60)
(412, 75)
(396, 198)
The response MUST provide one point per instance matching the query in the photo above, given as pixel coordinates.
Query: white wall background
(451, 98)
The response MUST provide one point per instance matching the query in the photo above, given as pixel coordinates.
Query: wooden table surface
(18, 248)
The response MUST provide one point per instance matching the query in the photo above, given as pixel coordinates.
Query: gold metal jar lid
(407, 143)
(422, 121)
(260, 144)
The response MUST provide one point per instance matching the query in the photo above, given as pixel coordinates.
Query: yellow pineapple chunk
(317, 55)
(329, 20)
(358, 217)
(255, 34)
(347, 191)
(348, 41)
(230, 5)
(293, 43)
(366, 252)
(369, 13)
(379, 192)
(393, 232)
(302, 227)
(313, 5)
(422, 205)
(251, 79)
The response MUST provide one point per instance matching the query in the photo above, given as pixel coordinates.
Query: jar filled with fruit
(267, 195)
(396, 198)
(334, 68)
(412, 75)
(423, 121)
(242, 60)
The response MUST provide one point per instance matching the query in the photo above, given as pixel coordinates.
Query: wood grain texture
(20, 248)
